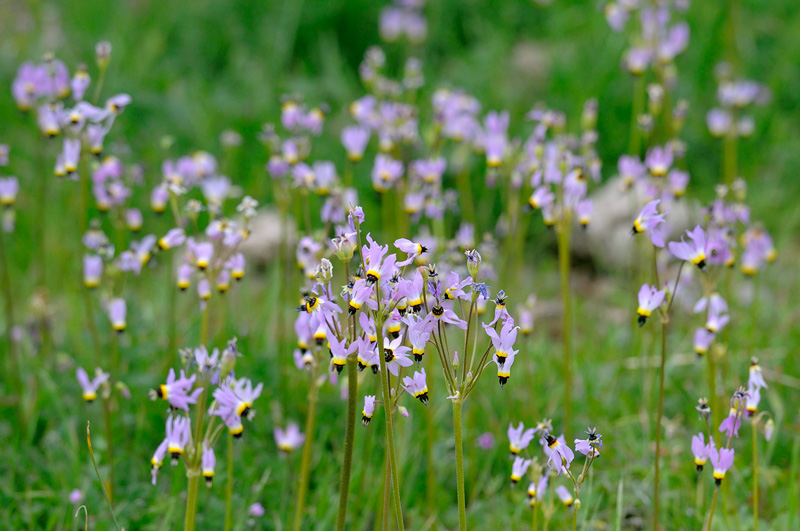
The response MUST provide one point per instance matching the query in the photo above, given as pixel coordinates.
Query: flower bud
(403, 411)
(102, 53)
(769, 428)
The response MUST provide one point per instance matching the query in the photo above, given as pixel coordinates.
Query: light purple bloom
(290, 439)
(503, 343)
(702, 341)
(504, 368)
(92, 270)
(590, 445)
(648, 220)
(417, 386)
(354, 139)
(396, 355)
(9, 188)
(177, 391)
(650, 298)
(76, 496)
(117, 313)
(722, 460)
(173, 238)
(756, 378)
(559, 455)
(658, 160)
(694, 251)
(178, 436)
(235, 402)
(564, 495)
(89, 387)
(730, 426)
(485, 441)
(518, 469)
(208, 463)
(158, 457)
(519, 438)
(369, 410)
(700, 450)
(412, 249)
(256, 510)
(385, 172)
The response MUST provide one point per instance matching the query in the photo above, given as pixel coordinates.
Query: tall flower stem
(430, 426)
(305, 460)
(713, 506)
(110, 447)
(229, 486)
(664, 323)
(566, 318)
(755, 474)
(13, 358)
(536, 517)
(349, 438)
(462, 506)
(194, 459)
(388, 404)
(638, 108)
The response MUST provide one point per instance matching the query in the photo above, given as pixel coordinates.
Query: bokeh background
(197, 68)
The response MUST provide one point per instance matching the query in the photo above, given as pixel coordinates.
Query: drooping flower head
(503, 343)
(209, 461)
(650, 298)
(649, 220)
(722, 460)
(693, 251)
(518, 469)
(290, 439)
(369, 410)
(90, 387)
(700, 450)
(519, 438)
(559, 455)
(177, 391)
(417, 386)
(591, 445)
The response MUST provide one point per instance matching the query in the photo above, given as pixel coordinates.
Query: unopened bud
(102, 52)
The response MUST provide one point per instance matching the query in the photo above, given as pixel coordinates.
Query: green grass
(197, 69)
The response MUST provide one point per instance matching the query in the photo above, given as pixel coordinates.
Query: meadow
(396, 231)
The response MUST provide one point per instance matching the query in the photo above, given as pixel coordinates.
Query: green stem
(566, 327)
(462, 507)
(575, 517)
(639, 88)
(229, 486)
(465, 194)
(349, 437)
(99, 87)
(195, 457)
(729, 168)
(713, 506)
(755, 474)
(305, 461)
(97, 472)
(664, 323)
(536, 516)
(110, 446)
(430, 484)
(388, 405)
(13, 358)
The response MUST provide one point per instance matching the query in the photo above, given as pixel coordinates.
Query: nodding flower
(722, 460)
(90, 387)
(564, 495)
(412, 249)
(9, 188)
(419, 332)
(318, 305)
(417, 386)
(159, 198)
(583, 210)
(290, 439)
(395, 355)
(355, 139)
(72, 154)
(559, 455)
(236, 265)
(134, 219)
(430, 170)
(377, 267)
(92, 270)
(504, 368)
(518, 469)
(650, 298)
(203, 291)
(678, 180)
(173, 238)
(717, 316)
(703, 409)
(223, 281)
(630, 169)
(235, 402)
(756, 378)
(694, 251)
(202, 252)
(178, 436)
(500, 310)
(117, 312)
(339, 351)
(368, 326)
(177, 391)
(536, 490)
(361, 293)
(393, 326)
(385, 172)
(658, 160)
(702, 341)
(209, 461)
(752, 399)
(368, 411)
(158, 459)
(454, 287)
(412, 291)
(446, 315)
(519, 438)
(185, 276)
(648, 220)
(730, 426)
(367, 354)
(590, 445)
(701, 450)
(503, 343)
(541, 197)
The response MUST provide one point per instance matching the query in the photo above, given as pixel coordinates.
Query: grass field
(195, 70)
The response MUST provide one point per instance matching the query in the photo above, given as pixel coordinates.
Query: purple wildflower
(503, 343)
(648, 220)
(722, 460)
(369, 410)
(650, 298)
(700, 450)
(290, 439)
(90, 387)
(209, 461)
(694, 251)
(177, 391)
(417, 386)
(559, 455)
(519, 438)
(518, 469)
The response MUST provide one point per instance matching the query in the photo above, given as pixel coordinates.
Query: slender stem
(713, 506)
(13, 358)
(575, 517)
(699, 499)
(305, 461)
(388, 405)
(465, 193)
(664, 323)
(755, 474)
(638, 107)
(536, 516)
(110, 446)
(193, 465)
(349, 437)
(97, 472)
(229, 486)
(100, 81)
(566, 330)
(462, 506)
(430, 483)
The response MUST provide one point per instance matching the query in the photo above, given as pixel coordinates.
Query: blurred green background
(197, 68)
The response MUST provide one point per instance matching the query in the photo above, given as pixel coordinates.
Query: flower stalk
(305, 460)
(462, 508)
(349, 438)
